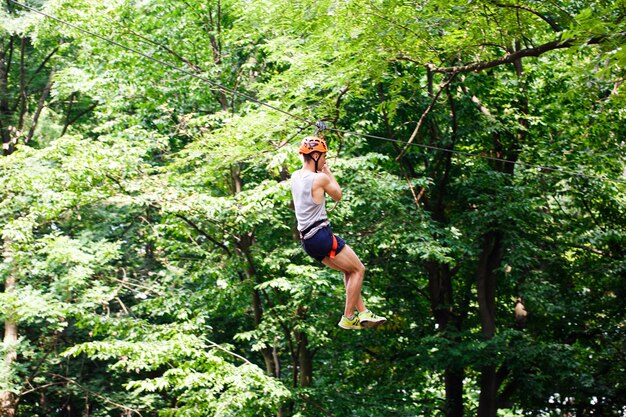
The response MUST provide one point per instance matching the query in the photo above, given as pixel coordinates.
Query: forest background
(150, 262)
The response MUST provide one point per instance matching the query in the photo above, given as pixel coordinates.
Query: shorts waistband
(317, 224)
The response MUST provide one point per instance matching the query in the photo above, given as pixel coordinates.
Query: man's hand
(330, 185)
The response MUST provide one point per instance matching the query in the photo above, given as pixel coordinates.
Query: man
(309, 187)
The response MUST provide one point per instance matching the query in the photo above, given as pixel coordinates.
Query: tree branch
(40, 106)
(423, 116)
(484, 110)
(97, 395)
(42, 65)
(512, 57)
(23, 95)
(69, 122)
(555, 27)
(205, 234)
(193, 66)
(315, 405)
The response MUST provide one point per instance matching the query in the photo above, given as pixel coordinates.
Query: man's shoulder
(297, 174)
(320, 179)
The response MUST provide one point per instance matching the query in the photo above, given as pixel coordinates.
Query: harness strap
(333, 249)
(308, 229)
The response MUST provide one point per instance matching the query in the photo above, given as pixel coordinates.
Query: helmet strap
(316, 160)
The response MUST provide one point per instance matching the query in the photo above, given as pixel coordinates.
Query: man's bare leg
(349, 263)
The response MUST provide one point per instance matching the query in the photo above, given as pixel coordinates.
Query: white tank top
(308, 212)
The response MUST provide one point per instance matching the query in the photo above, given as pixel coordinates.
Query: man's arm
(328, 184)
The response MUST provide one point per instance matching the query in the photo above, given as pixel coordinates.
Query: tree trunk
(216, 49)
(243, 248)
(487, 405)
(305, 361)
(440, 275)
(5, 112)
(440, 291)
(23, 93)
(305, 356)
(454, 391)
(271, 365)
(8, 399)
(490, 258)
(40, 106)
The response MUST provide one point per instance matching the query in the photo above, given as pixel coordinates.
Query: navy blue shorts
(319, 245)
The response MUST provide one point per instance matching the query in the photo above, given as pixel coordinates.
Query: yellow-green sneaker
(369, 319)
(350, 324)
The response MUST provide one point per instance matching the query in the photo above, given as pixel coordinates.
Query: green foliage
(149, 230)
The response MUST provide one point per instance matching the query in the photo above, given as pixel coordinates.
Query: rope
(541, 168)
(164, 63)
(320, 126)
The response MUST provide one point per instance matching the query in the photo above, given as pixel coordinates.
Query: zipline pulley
(320, 126)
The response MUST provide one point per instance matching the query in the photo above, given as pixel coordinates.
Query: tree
(158, 231)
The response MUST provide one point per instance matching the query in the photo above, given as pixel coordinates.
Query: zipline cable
(165, 63)
(542, 169)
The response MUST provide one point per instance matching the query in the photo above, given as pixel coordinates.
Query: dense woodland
(150, 264)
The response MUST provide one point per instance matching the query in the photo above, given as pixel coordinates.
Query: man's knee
(359, 269)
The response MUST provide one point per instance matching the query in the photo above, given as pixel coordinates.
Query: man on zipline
(309, 187)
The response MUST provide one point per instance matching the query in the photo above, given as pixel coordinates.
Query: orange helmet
(313, 144)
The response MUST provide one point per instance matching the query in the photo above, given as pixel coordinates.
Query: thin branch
(129, 285)
(193, 66)
(71, 121)
(97, 395)
(415, 287)
(121, 303)
(591, 215)
(424, 114)
(593, 250)
(484, 110)
(40, 106)
(215, 345)
(555, 27)
(33, 374)
(118, 183)
(43, 64)
(381, 15)
(416, 197)
(205, 234)
(315, 405)
(23, 393)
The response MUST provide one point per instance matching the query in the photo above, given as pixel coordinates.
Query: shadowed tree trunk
(490, 257)
(5, 112)
(8, 399)
(305, 356)
(440, 290)
(440, 275)
(244, 245)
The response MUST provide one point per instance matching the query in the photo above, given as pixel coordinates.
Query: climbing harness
(333, 249)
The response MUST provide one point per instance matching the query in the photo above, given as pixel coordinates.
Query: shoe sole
(370, 324)
(351, 327)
